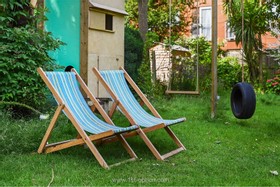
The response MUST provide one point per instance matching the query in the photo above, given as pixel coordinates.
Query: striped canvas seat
(116, 81)
(67, 87)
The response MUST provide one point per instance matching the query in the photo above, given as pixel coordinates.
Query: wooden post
(84, 40)
(214, 58)
(154, 71)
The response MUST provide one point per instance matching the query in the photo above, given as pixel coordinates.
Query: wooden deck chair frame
(82, 138)
(142, 131)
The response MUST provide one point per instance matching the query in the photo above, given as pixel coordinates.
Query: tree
(274, 13)
(256, 15)
(156, 18)
(133, 51)
(143, 18)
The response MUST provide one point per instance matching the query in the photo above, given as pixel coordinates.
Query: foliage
(273, 85)
(201, 51)
(275, 54)
(256, 16)
(144, 79)
(229, 72)
(274, 16)
(23, 48)
(133, 52)
(158, 17)
(183, 75)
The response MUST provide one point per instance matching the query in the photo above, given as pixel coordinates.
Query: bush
(23, 48)
(144, 79)
(201, 50)
(133, 52)
(273, 85)
(183, 73)
(229, 72)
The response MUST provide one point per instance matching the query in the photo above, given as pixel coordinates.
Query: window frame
(230, 35)
(201, 33)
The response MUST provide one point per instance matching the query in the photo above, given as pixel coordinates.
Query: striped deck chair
(65, 89)
(116, 83)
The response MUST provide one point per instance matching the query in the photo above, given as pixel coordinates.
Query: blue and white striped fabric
(116, 81)
(66, 85)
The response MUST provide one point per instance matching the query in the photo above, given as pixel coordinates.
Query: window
(274, 23)
(108, 22)
(229, 33)
(101, 21)
(205, 20)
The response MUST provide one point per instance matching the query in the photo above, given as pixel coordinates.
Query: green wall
(64, 23)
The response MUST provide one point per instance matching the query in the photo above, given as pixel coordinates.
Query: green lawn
(220, 151)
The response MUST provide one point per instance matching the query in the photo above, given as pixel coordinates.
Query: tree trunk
(143, 18)
(260, 60)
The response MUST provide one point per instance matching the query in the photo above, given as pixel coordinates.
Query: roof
(179, 48)
(107, 8)
(176, 49)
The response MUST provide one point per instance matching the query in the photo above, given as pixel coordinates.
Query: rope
(170, 72)
(242, 38)
(197, 59)
(197, 45)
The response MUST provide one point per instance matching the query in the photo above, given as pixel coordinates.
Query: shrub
(23, 48)
(201, 50)
(144, 80)
(133, 52)
(183, 73)
(273, 85)
(229, 71)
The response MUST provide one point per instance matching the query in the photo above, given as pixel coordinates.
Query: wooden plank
(49, 85)
(132, 133)
(70, 143)
(174, 137)
(182, 92)
(149, 144)
(50, 128)
(113, 108)
(126, 146)
(86, 139)
(172, 152)
(84, 40)
(123, 162)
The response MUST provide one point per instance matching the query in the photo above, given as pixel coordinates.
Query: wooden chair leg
(50, 128)
(113, 109)
(149, 144)
(96, 153)
(127, 146)
(174, 137)
(87, 140)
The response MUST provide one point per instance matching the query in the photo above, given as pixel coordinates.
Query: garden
(220, 150)
(224, 151)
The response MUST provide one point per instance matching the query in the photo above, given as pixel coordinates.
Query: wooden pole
(154, 71)
(84, 40)
(214, 58)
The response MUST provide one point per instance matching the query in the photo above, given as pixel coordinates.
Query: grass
(220, 151)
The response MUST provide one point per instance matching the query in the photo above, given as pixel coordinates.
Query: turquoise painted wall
(64, 23)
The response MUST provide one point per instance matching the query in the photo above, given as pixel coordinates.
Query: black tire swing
(243, 100)
(243, 97)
